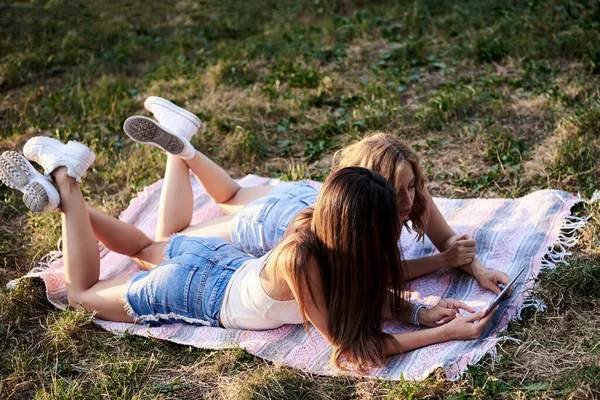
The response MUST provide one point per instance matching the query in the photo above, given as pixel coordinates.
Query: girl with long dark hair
(317, 273)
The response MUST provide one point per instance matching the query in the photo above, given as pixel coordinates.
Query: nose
(404, 199)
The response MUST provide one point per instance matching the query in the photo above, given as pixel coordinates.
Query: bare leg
(244, 196)
(221, 187)
(82, 260)
(219, 227)
(176, 199)
(123, 238)
(177, 203)
(215, 180)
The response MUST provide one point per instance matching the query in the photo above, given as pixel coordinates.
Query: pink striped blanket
(511, 234)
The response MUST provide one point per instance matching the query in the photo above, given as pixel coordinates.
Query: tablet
(503, 294)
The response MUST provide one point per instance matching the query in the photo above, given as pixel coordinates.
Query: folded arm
(455, 251)
(444, 318)
(460, 328)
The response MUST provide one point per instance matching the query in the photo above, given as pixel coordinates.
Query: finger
(463, 237)
(473, 317)
(450, 315)
(492, 286)
(443, 303)
(463, 306)
(488, 318)
(467, 243)
(501, 277)
(444, 320)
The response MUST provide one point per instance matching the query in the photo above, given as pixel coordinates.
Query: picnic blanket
(532, 232)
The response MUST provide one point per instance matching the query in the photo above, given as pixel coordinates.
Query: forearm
(423, 266)
(447, 242)
(474, 268)
(406, 307)
(404, 342)
(438, 230)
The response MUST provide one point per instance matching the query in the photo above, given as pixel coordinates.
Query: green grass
(498, 98)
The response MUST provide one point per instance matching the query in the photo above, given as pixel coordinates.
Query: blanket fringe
(595, 197)
(560, 250)
(46, 261)
(43, 264)
(556, 254)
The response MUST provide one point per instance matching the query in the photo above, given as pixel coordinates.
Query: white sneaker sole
(77, 156)
(17, 173)
(159, 101)
(146, 130)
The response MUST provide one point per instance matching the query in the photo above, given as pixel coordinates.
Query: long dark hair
(353, 235)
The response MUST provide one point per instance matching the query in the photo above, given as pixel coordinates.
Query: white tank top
(246, 305)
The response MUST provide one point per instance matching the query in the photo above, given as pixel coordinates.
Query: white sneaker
(174, 117)
(146, 130)
(39, 194)
(51, 153)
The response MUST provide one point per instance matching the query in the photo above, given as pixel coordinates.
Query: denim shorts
(189, 286)
(260, 225)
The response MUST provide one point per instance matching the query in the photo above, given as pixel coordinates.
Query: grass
(281, 86)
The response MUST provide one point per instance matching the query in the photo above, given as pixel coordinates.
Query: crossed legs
(82, 259)
(175, 210)
(177, 200)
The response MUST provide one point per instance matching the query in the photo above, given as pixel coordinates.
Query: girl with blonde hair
(257, 217)
(315, 274)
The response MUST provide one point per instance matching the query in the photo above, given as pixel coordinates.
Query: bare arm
(458, 328)
(423, 266)
(455, 251)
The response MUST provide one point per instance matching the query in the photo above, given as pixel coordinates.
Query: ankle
(62, 179)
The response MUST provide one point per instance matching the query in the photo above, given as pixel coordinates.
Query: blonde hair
(385, 154)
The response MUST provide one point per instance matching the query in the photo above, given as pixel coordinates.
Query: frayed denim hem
(173, 316)
(167, 249)
(128, 308)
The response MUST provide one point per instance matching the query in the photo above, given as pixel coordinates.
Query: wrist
(444, 261)
(422, 316)
(475, 269)
(447, 243)
(417, 314)
(445, 331)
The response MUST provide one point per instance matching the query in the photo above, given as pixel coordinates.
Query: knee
(151, 254)
(143, 251)
(76, 298)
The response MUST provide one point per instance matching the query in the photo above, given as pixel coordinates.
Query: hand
(490, 279)
(469, 327)
(460, 252)
(446, 310)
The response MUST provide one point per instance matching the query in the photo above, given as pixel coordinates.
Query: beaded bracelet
(414, 314)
